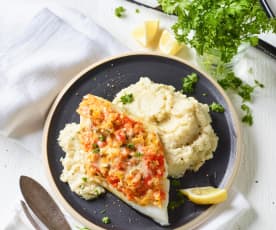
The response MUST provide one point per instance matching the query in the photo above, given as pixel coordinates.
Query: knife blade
(262, 45)
(42, 204)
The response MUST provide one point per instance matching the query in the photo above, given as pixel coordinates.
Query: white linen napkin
(37, 65)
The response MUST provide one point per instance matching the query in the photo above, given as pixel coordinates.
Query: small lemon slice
(205, 195)
(168, 44)
(146, 34)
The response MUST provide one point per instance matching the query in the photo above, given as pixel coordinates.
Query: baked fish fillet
(125, 156)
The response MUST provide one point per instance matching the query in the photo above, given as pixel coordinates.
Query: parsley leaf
(96, 148)
(120, 11)
(130, 146)
(257, 83)
(106, 220)
(127, 98)
(138, 154)
(247, 118)
(215, 107)
(102, 138)
(189, 82)
(137, 11)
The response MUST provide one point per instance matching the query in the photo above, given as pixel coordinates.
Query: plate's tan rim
(229, 177)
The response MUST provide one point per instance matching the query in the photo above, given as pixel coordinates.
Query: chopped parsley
(257, 83)
(96, 148)
(176, 203)
(247, 118)
(230, 81)
(120, 11)
(127, 98)
(102, 138)
(175, 183)
(189, 82)
(138, 154)
(215, 107)
(173, 205)
(245, 92)
(137, 11)
(106, 220)
(130, 146)
(84, 179)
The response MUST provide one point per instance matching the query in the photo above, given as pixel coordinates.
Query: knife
(262, 45)
(42, 204)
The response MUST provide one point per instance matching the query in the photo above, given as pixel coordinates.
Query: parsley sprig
(120, 11)
(189, 82)
(218, 24)
(233, 83)
(127, 98)
(215, 107)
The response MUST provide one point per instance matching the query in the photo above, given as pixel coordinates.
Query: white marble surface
(256, 179)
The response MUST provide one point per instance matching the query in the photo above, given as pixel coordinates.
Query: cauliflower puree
(74, 172)
(182, 123)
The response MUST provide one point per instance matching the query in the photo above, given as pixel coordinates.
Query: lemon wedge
(205, 195)
(146, 34)
(168, 44)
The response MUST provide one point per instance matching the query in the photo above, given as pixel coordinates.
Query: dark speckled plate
(105, 79)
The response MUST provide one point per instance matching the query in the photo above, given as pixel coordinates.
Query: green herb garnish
(120, 11)
(137, 11)
(175, 183)
(189, 82)
(106, 220)
(218, 24)
(176, 203)
(138, 154)
(102, 138)
(127, 98)
(257, 83)
(130, 146)
(247, 118)
(215, 107)
(96, 148)
(84, 179)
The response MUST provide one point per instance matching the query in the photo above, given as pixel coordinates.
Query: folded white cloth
(37, 65)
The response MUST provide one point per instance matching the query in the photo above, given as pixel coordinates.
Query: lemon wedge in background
(146, 34)
(139, 34)
(205, 195)
(168, 44)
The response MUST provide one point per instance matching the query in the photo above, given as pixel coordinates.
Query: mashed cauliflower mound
(74, 172)
(182, 123)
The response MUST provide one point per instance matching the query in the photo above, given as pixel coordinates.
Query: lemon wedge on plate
(168, 44)
(146, 34)
(205, 195)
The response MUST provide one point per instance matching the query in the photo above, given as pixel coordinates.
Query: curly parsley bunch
(218, 24)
